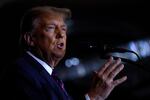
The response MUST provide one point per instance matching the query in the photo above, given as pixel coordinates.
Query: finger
(103, 68)
(119, 81)
(115, 71)
(112, 67)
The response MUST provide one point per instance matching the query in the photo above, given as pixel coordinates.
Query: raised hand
(103, 81)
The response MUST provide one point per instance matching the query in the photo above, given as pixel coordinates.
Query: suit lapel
(50, 82)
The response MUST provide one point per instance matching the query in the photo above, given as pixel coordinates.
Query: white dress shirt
(45, 65)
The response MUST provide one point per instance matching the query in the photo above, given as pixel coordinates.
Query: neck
(53, 61)
(50, 60)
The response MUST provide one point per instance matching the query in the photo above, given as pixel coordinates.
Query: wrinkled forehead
(49, 18)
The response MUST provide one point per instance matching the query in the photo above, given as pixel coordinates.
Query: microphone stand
(138, 64)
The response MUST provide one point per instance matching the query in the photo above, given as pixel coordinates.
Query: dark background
(94, 21)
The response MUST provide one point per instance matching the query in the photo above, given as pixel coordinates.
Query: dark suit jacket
(26, 79)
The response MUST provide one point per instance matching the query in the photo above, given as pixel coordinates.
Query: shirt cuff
(97, 98)
(87, 97)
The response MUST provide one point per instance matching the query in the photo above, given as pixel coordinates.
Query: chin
(60, 55)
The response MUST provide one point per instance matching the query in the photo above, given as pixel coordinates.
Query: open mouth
(60, 45)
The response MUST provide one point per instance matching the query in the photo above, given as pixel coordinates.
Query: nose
(60, 34)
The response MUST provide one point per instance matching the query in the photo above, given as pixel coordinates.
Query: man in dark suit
(43, 39)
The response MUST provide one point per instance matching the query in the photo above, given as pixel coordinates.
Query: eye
(50, 29)
(64, 29)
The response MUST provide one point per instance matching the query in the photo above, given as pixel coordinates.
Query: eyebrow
(64, 25)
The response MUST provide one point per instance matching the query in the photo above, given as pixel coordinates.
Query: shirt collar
(45, 65)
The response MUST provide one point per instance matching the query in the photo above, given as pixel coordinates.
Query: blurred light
(72, 62)
(75, 61)
(91, 46)
(144, 48)
(68, 63)
(81, 70)
(133, 47)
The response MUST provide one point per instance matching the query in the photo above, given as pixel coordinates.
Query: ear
(28, 39)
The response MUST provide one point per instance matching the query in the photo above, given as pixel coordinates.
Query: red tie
(59, 82)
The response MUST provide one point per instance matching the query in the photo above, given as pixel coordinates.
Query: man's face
(49, 36)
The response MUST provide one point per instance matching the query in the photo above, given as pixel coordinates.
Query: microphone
(105, 48)
(116, 49)
(109, 49)
(102, 50)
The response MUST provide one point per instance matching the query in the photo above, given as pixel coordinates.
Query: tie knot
(54, 73)
(59, 81)
(56, 78)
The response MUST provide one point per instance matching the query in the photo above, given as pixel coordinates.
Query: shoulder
(23, 67)
(21, 73)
